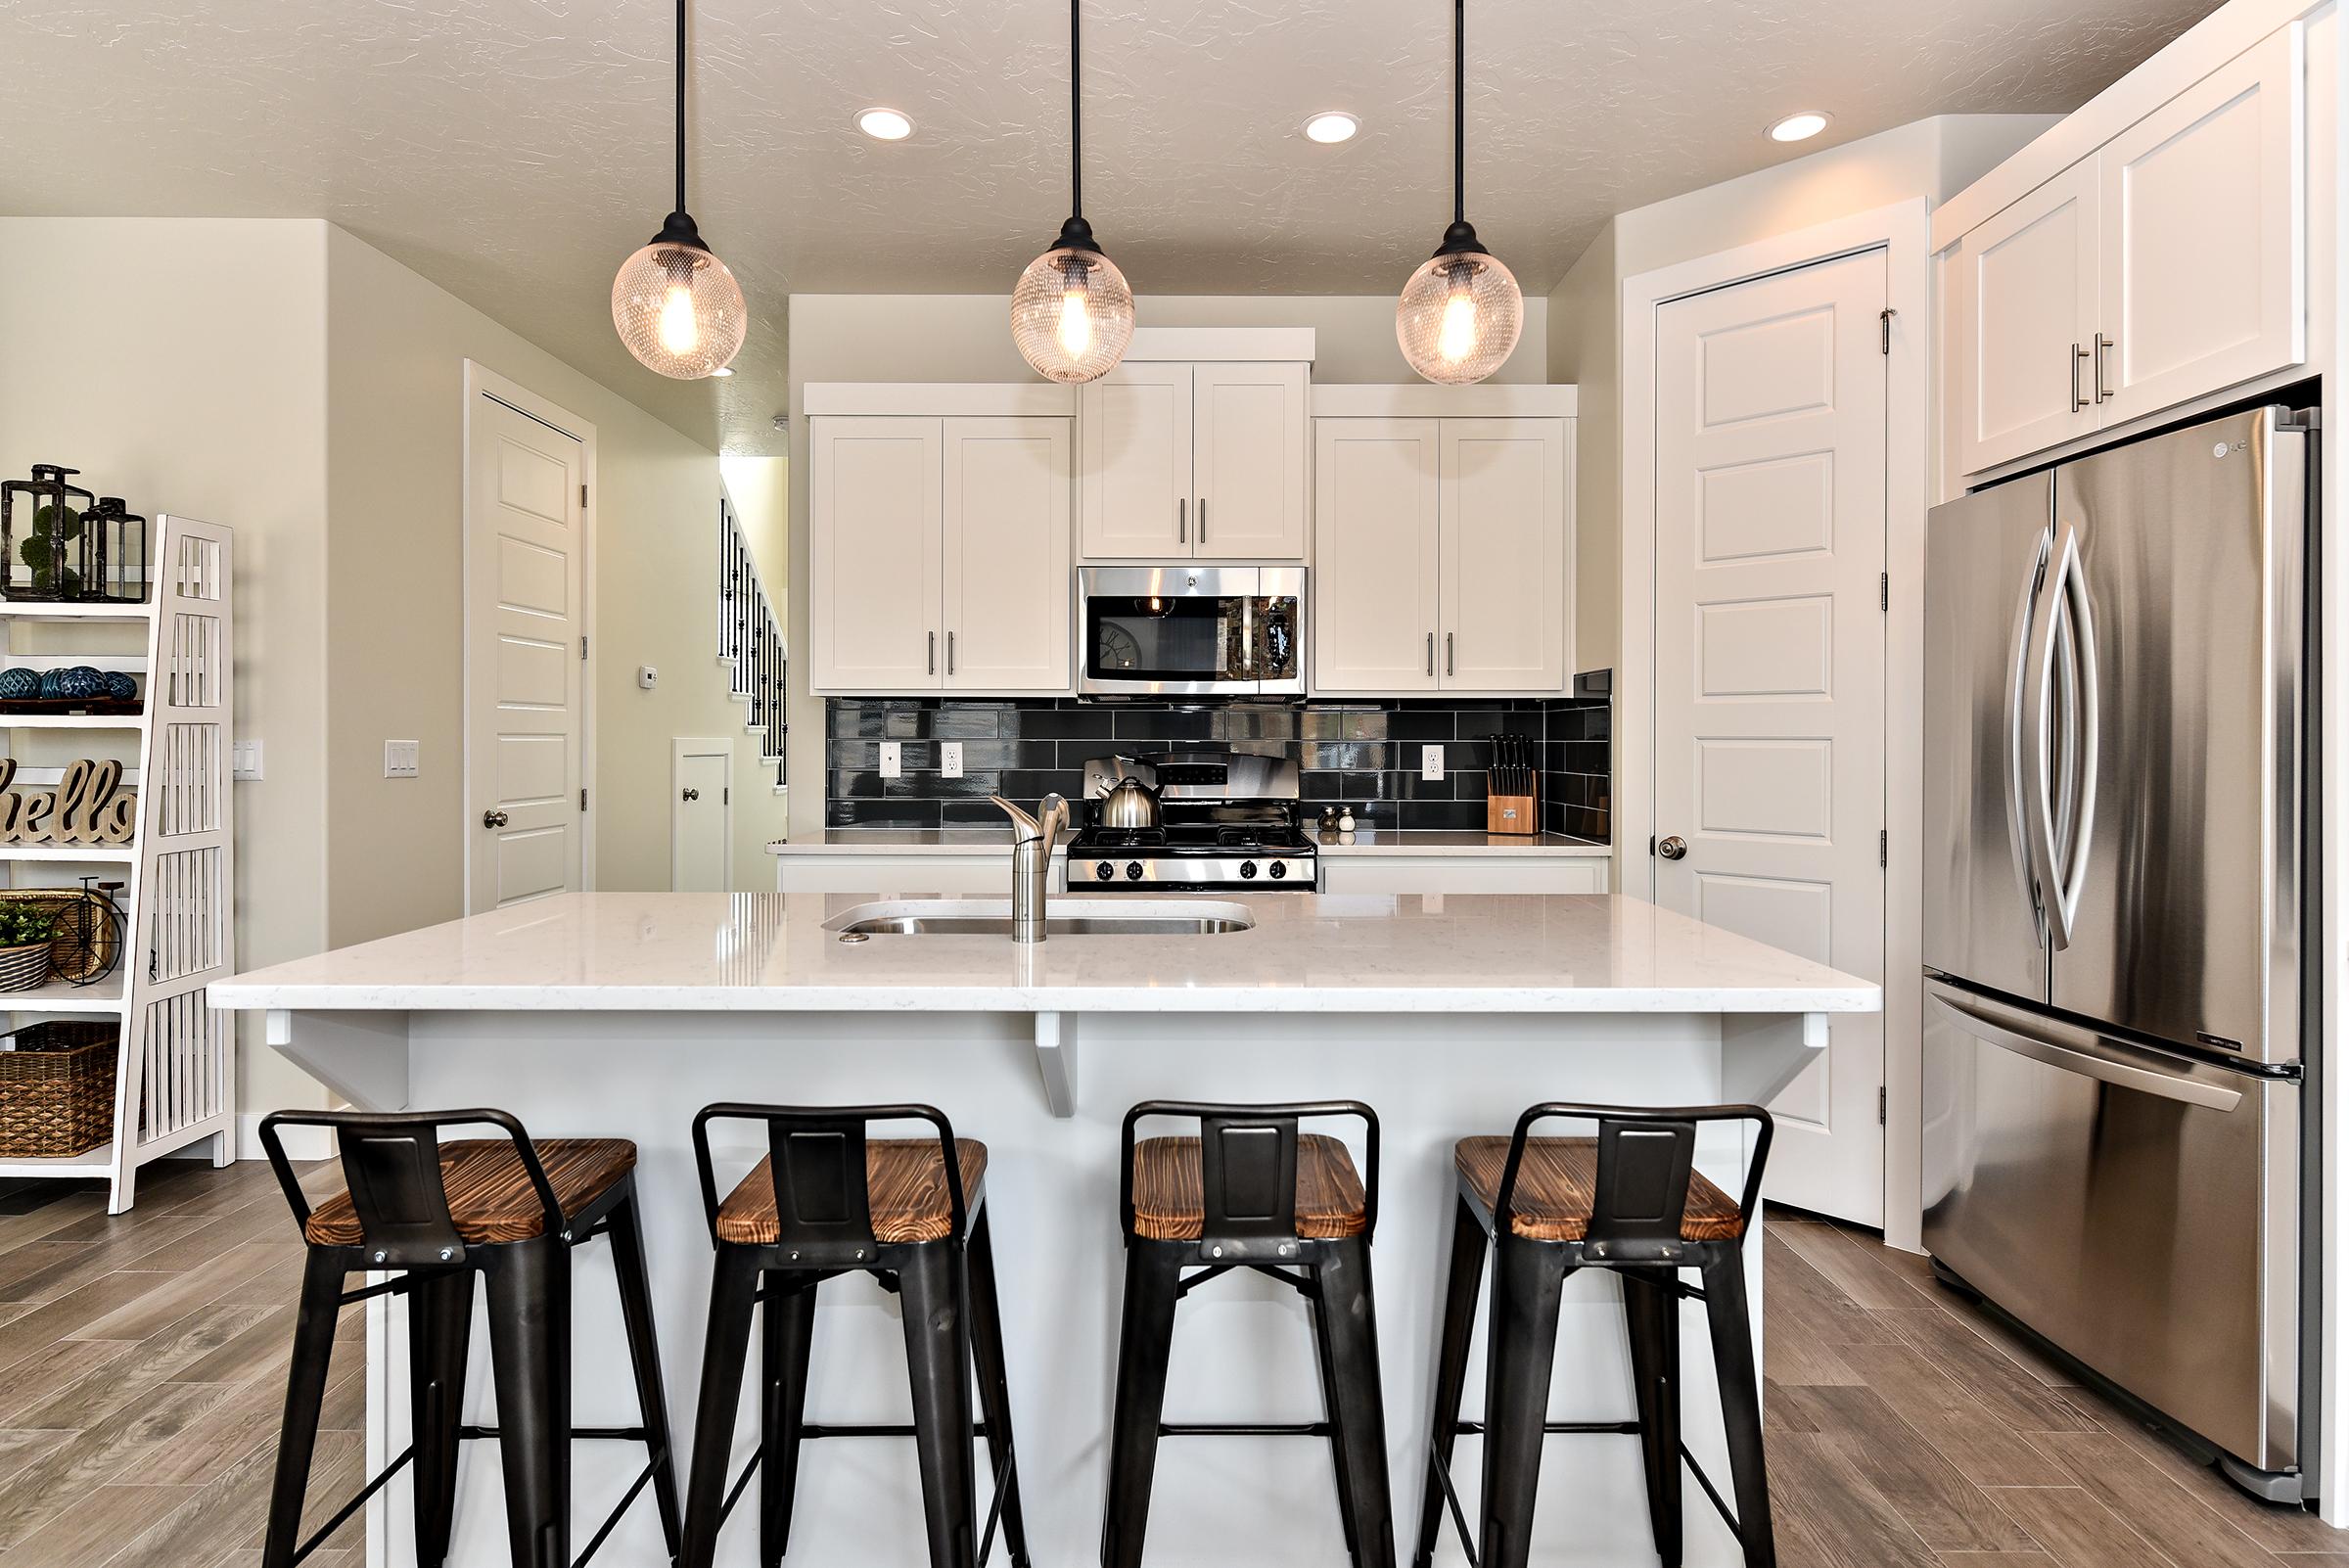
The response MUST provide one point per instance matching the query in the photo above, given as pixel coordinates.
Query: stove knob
(1280, 868)
(1247, 870)
(1133, 870)
(1104, 871)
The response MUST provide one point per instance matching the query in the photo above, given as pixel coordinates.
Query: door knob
(494, 818)
(693, 795)
(1674, 848)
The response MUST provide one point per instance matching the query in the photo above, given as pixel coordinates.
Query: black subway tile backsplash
(1363, 755)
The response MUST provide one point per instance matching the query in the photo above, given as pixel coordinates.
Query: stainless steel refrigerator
(2117, 753)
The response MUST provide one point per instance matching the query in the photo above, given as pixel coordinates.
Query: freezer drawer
(2140, 1210)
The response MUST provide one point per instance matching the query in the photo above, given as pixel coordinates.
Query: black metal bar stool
(1250, 1192)
(827, 1201)
(1626, 1201)
(507, 1208)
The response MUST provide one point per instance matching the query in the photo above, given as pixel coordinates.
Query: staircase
(749, 641)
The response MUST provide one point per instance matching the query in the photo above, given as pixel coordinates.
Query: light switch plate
(893, 758)
(949, 758)
(400, 759)
(245, 759)
(1431, 762)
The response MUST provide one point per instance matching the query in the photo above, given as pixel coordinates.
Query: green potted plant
(25, 934)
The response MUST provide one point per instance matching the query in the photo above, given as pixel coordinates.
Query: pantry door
(528, 469)
(1770, 654)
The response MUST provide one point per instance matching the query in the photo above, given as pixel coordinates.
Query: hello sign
(87, 807)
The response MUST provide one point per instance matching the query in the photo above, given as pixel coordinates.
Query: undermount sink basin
(1062, 917)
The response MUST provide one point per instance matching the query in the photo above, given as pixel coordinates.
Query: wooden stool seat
(905, 1186)
(489, 1193)
(1556, 1186)
(1169, 1199)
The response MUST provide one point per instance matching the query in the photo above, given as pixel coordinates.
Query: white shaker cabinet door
(1008, 590)
(1502, 580)
(1137, 493)
(1375, 556)
(2204, 237)
(1248, 428)
(2027, 288)
(874, 552)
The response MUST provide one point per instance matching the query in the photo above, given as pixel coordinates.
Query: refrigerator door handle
(2080, 761)
(2038, 781)
(2018, 830)
(2106, 1070)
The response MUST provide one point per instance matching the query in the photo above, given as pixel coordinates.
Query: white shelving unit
(175, 1072)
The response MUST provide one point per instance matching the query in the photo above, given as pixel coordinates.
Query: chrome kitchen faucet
(1032, 842)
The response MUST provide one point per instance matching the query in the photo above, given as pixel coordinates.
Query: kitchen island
(621, 1014)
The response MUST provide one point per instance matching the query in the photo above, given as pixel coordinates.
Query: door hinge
(583, 498)
(1884, 326)
(1651, 844)
(1879, 1105)
(1884, 591)
(582, 650)
(582, 797)
(726, 797)
(1883, 846)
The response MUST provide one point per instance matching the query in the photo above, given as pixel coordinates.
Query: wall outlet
(893, 758)
(245, 759)
(400, 759)
(949, 758)
(1431, 762)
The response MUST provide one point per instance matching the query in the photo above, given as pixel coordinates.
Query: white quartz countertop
(1308, 952)
(981, 842)
(974, 840)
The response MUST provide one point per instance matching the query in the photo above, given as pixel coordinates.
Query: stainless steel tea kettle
(1129, 804)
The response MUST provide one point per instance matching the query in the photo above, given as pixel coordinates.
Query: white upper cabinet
(1007, 576)
(938, 554)
(2169, 264)
(1194, 462)
(1375, 555)
(2205, 236)
(1440, 557)
(2027, 282)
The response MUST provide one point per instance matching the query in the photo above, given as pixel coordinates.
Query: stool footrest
(1319, 1429)
(578, 1434)
(1602, 1428)
(356, 1502)
(814, 1429)
(1459, 1518)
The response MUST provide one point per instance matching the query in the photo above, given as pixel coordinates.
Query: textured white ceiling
(515, 150)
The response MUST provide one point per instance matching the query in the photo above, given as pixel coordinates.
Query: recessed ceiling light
(1799, 127)
(1332, 127)
(885, 124)
(723, 370)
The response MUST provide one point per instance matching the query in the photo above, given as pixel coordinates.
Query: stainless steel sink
(1065, 917)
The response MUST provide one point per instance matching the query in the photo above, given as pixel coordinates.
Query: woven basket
(84, 949)
(23, 968)
(56, 1089)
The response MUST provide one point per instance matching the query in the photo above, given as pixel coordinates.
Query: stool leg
(1334, 1414)
(1741, 1400)
(305, 1392)
(1451, 1369)
(644, 1356)
(530, 1353)
(1652, 1321)
(1153, 1271)
(786, 1343)
(439, 1327)
(1351, 1320)
(733, 1300)
(938, 1356)
(995, 1385)
(1528, 1277)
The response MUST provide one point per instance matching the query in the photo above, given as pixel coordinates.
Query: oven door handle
(1971, 1017)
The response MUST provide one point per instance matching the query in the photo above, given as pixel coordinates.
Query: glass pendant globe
(1072, 314)
(1459, 317)
(679, 309)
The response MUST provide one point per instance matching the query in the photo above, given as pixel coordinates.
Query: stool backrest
(1644, 1160)
(816, 1157)
(1248, 1163)
(392, 1166)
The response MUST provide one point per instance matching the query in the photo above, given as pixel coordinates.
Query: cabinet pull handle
(1202, 520)
(2078, 353)
(933, 653)
(1447, 664)
(1182, 525)
(2103, 343)
(1431, 655)
(949, 653)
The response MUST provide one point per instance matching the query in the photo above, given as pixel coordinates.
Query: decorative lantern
(46, 544)
(113, 552)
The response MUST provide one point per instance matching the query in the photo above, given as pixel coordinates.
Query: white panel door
(1009, 596)
(1248, 461)
(2204, 249)
(2027, 286)
(1503, 493)
(700, 823)
(1770, 667)
(1136, 495)
(526, 515)
(1375, 528)
(875, 554)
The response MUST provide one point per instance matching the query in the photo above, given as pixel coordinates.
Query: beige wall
(181, 364)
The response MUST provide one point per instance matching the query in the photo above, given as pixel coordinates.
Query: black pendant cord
(1076, 122)
(680, 106)
(1460, 116)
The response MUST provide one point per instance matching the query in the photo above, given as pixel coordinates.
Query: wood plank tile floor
(143, 1357)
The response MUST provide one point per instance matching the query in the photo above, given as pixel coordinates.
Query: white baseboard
(301, 1142)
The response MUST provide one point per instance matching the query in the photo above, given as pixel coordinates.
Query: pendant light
(1072, 314)
(676, 305)
(1459, 315)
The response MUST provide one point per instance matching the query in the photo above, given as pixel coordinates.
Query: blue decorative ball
(53, 683)
(19, 682)
(119, 686)
(82, 682)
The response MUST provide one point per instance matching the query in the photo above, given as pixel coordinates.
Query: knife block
(1511, 814)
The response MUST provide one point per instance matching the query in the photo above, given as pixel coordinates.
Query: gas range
(1228, 823)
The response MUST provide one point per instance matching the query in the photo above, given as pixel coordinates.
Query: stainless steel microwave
(1185, 630)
